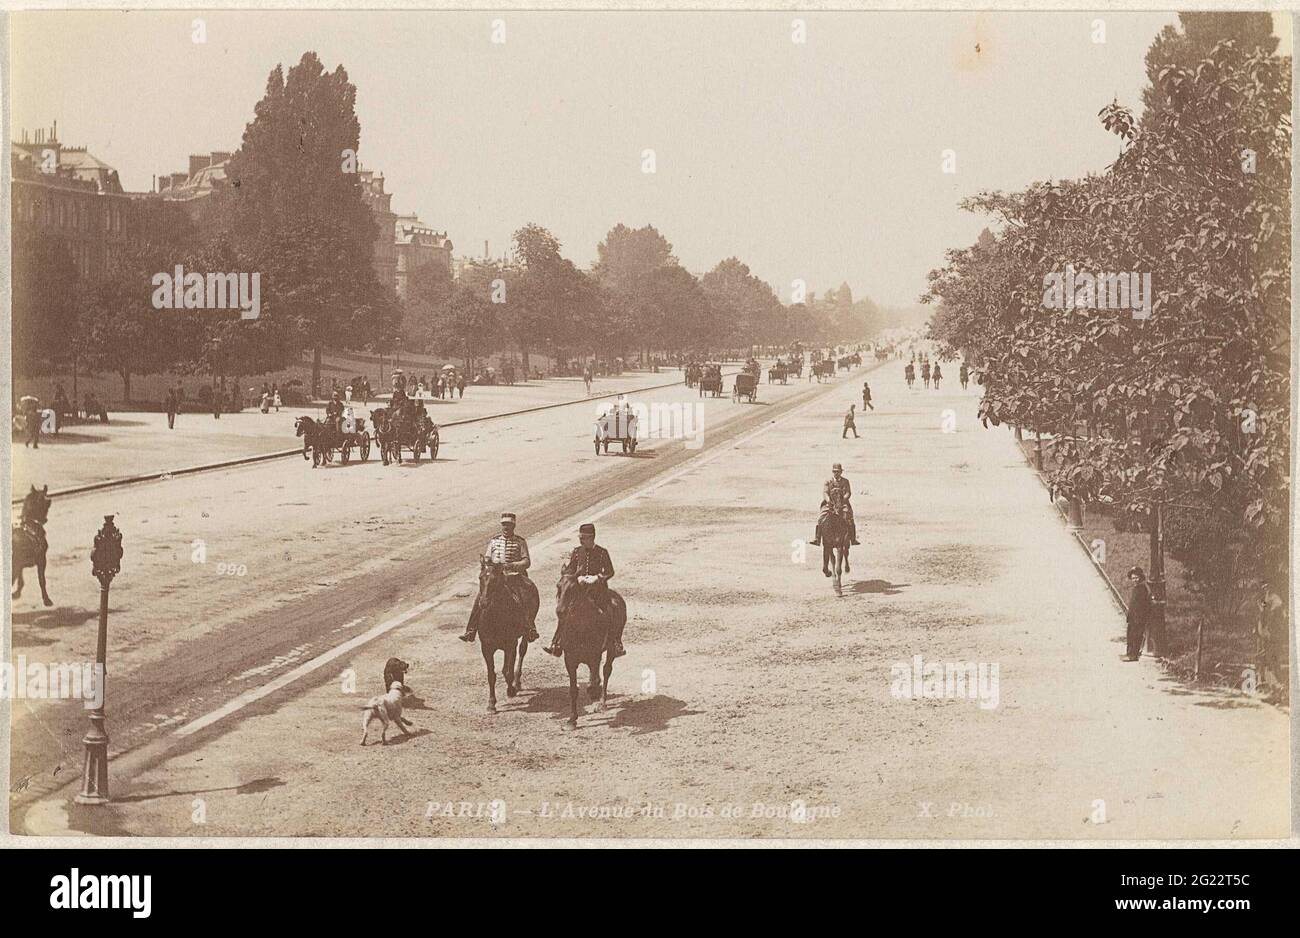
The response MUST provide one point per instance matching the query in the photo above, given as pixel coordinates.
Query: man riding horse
(837, 489)
(590, 565)
(510, 551)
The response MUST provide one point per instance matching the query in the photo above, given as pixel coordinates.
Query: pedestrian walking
(171, 408)
(460, 386)
(866, 396)
(265, 404)
(32, 414)
(1139, 614)
(849, 424)
(964, 375)
(1272, 633)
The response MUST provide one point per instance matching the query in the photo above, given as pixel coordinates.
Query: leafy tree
(301, 217)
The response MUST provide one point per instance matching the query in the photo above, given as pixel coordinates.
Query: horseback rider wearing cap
(510, 551)
(589, 563)
(837, 483)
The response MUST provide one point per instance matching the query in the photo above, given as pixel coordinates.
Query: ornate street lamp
(105, 562)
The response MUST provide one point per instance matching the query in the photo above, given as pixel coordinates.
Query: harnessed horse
(588, 629)
(502, 626)
(835, 540)
(29, 543)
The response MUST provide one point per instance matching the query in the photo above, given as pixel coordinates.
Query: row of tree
(294, 210)
(1182, 414)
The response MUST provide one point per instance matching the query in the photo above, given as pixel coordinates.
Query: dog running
(386, 708)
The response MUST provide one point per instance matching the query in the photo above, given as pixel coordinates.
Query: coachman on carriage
(711, 380)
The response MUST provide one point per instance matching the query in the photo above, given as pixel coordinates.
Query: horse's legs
(18, 579)
(608, 670)
(519, 664)
(509, 670)
(847, 547)
(40, 577)
(489, 658)
(593, 672)
(572, 667)
(826, 554)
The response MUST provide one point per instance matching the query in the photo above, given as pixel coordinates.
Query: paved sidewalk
(139, 442)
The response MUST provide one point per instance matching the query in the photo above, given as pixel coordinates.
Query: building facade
(67, 193)
(416, 244)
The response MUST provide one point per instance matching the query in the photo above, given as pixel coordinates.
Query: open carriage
(616, 425)
(746, 386)
(711, 380)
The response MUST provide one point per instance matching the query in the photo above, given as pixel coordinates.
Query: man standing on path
(1139, 613)
(866, 396)
(849, 424)
(171, 408)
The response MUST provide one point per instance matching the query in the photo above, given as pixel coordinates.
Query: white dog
(384, 709)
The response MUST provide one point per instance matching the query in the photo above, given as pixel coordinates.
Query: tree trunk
(523, 354)
(126, 384)
(315, 371)
(1156, 581)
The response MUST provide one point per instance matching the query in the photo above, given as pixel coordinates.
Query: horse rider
(937, 375)
(837, 483)
(511, 551)
(590, 563)
(334, 412)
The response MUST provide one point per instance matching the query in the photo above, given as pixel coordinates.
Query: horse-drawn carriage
(711, 380)
(321, 439)
(778, 372)
(693, 372)
(824, 369)
(746, 386)
(618, 424)
(411, 428)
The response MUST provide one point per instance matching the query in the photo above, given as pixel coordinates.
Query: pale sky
(819, 161)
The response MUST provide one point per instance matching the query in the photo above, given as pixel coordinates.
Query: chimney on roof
(198, 162)
(485, 249)
(54, 134)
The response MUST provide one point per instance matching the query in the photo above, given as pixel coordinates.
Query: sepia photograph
(648, 425)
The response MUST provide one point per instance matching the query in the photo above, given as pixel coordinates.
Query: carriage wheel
(433, 447)
(365, 446)
(415, 450)
(346, 453)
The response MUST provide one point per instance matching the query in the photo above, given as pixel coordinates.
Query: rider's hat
(837, 468)
(587, 529)
(507, 516)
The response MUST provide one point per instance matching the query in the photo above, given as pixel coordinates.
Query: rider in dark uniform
(837, 483)
(590, 563)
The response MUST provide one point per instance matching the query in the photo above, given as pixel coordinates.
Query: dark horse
(835, 541)
(503, 626)
(29, 544)
(587, 629)
(316, 438)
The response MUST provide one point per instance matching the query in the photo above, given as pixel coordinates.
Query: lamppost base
(82, 798)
